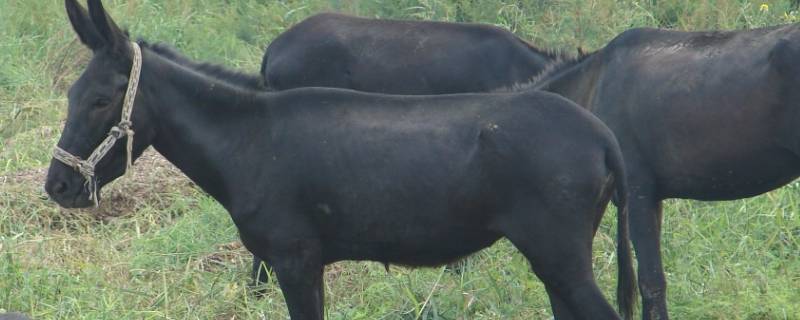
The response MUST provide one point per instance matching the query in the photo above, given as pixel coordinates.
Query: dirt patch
(152, 180)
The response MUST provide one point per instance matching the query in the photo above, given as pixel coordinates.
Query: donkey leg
(560, 307)
(300, 277)
(558, 246)
(302, 288)
(569, 276)
(645, 218)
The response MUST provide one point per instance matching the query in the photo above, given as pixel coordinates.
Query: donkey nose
(58, 188)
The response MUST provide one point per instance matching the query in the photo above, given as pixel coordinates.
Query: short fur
(399, 57)
(313, 176)
(699, 115)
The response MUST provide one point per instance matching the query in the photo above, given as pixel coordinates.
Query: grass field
(158, 248)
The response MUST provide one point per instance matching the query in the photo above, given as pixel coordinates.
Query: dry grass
(152, 177)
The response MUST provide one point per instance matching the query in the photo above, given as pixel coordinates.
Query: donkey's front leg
(299, 270)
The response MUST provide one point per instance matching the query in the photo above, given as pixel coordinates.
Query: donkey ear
(83, 25)
(106, 28)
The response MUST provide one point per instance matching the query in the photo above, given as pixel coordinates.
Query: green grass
(171, 256)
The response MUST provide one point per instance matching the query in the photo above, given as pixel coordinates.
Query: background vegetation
(160, 249)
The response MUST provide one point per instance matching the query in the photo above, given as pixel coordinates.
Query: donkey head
(86, 157)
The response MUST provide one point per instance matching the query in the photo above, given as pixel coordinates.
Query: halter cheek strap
(122, 129)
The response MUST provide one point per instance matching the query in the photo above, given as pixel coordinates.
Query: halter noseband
(123, 128)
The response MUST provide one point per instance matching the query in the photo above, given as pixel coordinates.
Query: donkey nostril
(60, 187)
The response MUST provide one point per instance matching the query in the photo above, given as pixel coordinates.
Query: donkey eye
(101, 103)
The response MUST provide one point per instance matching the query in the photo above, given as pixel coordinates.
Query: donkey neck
(574, 79)
(199, 122)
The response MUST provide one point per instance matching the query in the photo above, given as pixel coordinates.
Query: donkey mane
(562, 62)
(219, 72)
(235, 90)
(553, 54)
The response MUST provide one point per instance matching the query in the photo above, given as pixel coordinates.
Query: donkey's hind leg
(558, 245)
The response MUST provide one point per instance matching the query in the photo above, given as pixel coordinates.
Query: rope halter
(123, 128)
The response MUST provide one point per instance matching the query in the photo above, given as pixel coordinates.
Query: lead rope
(127, 108)
(123, 128)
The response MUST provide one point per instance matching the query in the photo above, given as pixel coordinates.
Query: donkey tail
(626, 277)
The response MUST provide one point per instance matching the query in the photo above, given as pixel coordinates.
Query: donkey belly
(729, 178)
(413, 230)
(428, 250)
(726, 186)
